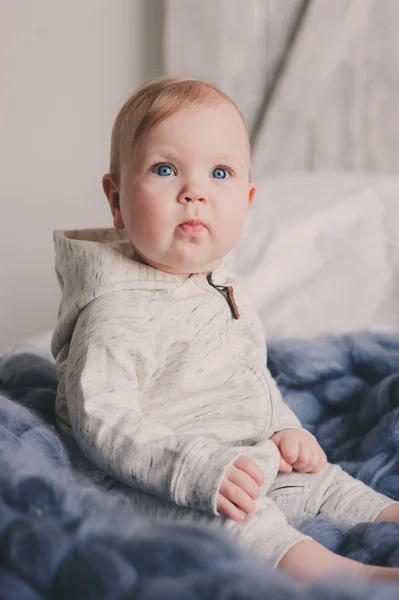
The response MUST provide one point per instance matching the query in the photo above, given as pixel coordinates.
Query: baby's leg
(340, 497)
(308, 560)
(345, 499)
(389, 513)
(266, 534)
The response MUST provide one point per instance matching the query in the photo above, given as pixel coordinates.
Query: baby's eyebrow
(229, 159)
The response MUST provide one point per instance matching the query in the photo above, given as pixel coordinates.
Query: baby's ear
(110, 188)
(251, 193)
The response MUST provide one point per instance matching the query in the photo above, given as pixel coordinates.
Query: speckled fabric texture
(161, 389)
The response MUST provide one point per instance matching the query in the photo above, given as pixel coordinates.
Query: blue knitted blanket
(61, 538)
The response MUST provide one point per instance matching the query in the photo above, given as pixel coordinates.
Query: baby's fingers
(305, 456)
(237, 496)
(229, 509)
(320, 462)
(289, 449)
(284, 467)
(249, 466)
(244, 481)
(316, 464)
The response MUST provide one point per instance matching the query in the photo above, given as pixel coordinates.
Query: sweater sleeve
(283, 416)
(109, 363)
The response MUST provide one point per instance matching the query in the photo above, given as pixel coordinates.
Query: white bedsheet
(320, 253)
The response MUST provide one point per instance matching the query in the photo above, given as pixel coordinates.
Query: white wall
(65, 68)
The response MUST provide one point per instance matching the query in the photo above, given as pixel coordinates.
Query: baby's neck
(136, 255)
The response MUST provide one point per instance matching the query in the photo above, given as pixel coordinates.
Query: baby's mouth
(192, 226)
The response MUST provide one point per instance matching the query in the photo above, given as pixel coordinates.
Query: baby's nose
(186, 196)
(191, 198)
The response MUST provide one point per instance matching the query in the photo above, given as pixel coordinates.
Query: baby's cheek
(145, 219)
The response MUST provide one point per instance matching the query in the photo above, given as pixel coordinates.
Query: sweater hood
(90, 263)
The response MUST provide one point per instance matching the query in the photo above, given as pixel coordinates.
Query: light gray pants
(271, 531)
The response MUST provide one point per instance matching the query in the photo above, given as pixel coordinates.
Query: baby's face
(193, 165)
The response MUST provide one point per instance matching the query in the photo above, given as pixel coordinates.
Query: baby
(163, 392)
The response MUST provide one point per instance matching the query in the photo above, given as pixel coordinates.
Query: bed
(320, 254)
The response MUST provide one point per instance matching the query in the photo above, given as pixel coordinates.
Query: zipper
(227, 291)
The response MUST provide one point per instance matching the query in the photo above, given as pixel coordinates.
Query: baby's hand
(240, 487)
(299, 451)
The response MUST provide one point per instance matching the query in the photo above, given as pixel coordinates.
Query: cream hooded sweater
(159, 383)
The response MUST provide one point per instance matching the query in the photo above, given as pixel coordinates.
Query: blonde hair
(152, 104)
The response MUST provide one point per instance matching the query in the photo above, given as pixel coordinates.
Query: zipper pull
(232, 302)
(229, 294)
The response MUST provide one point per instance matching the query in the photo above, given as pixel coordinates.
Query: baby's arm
(240, 487)
(110, 361)
(283, 416)
(299, 449)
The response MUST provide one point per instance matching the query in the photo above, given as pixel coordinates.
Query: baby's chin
(186, 270)
(190, 268)
(184, 267)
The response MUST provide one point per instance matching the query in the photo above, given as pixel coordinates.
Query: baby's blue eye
(219, 173)
(163, 170)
